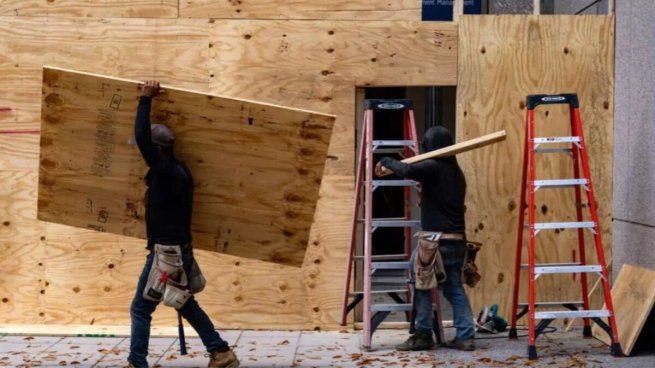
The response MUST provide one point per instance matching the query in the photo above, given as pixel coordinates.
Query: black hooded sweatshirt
(443, 186)
(169, 197)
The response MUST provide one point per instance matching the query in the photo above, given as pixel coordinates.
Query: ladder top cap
(388, 104)
(533, 101)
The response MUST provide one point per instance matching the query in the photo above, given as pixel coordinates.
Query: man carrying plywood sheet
(443, 188)
(169, 200)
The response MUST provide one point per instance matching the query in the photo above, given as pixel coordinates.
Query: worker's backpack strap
(428, 265)
(470, 274)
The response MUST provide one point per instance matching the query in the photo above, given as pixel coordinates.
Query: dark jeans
(141, 315)
(452, 253)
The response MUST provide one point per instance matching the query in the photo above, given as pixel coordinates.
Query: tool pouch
(196, 279)
(166, 267)
(470, 274)
(176, 294)
(428, 265)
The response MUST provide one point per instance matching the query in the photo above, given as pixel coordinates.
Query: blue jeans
(141, 315)
(452, 253)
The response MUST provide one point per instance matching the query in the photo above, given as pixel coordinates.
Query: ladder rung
(551, 304)
(393, 183)
(395, 223)
(391, 307)
(382, 257)
(564, 225)
(572, 314)
(543, 140)
(389, 143)
(565, 268)
(390, 265)
(553, 150)
(559, 183)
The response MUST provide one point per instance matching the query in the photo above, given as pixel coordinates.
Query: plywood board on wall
(501, 60)
(313, 65)
(257, 167)
(303, 9)
(633, 295)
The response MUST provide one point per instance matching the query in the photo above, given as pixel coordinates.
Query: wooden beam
(461, 147)
(257, 167)
(458, 9)
(536, 7)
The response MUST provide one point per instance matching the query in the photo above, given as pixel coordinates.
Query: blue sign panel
(443, 9)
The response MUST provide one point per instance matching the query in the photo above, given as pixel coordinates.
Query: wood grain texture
(303, 9)
(257, 168)
(501, 60)
(91, 8)
(633, 295)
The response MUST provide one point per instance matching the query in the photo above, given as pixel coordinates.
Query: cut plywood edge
(257, 167)
(633, 295)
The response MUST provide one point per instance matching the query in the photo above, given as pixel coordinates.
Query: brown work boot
(417, 342)
(223, 359)
(464, 345)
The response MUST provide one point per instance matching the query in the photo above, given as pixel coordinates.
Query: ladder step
(395, 223)
(572, 314)
(564, 225)
(566, 269)
(551, 304)
(384, 257)
(392, 143)
(391, 307)
(390, 265)
(393, 183)
(559, 183)
(546, 268)
(543, 140)
(397, 291)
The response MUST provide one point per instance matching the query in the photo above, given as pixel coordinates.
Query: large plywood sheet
(257, 167)
(633, 295)
(501, 60)
(305, 64)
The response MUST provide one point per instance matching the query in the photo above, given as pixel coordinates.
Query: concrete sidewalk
(312, 349)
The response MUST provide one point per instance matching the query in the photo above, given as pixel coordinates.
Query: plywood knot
(54, 99)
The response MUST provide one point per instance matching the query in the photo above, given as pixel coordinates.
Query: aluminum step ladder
(383, 274)
(573, 309)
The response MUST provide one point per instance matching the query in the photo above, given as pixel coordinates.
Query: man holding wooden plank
(170, 274)
(441, 247)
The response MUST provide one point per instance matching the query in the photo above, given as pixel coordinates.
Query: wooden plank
(502, 59)
(633, 295)
(303, 9)
(91, 8)
(257, 167)
(461, 147)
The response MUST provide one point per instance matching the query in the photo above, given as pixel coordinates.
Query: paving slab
(257, 349)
